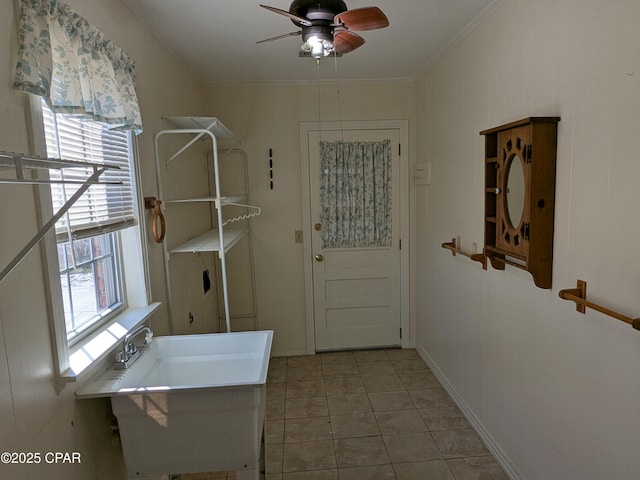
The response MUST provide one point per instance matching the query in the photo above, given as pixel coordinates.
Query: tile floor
(366, 415)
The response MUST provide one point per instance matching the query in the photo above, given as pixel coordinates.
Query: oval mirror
(515, 191)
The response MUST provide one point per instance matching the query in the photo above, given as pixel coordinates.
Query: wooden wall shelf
(579, 296)
(520, 169)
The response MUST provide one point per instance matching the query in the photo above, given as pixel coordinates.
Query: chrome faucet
(129, 353)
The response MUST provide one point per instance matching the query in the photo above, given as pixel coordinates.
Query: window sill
(100, 345)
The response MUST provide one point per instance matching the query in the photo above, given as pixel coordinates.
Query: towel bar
(476, 257)
(579, 294)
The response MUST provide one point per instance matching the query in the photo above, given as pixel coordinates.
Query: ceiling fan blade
(359, 19)
(290, 34)
(346, 41)
(300, 20)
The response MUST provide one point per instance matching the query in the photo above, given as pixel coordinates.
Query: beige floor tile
(443, 418)
(204, 476)
(343, 404)
(360, 452)
(370, 356)
(460, 443)
(309, 388)
(354, 425)
(376, 368)
(335, 357)
(274, 431)
(306, 407)
(411, 366)
(314, 475)
(303, 361)
(419, 381)
(337, 370)
(398, 354)
(275, 408)
(431, 470)
(301, 374)
(277, 373)
(278, 361)
(431, 397)
(383, 383)
(389, 401)
(400, 422)
(367, 415)
(274, 455)
(276, 390)
(412, 447)
(307, 429)
(305, 456)
(376, 472)
(476, 468)
(344, 386)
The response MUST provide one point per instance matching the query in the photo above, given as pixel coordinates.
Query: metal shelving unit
(23, 163)
(220, 239)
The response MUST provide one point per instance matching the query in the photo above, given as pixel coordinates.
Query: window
(88, 243)
(90, 281)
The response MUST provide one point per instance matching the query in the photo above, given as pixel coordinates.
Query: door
(356, 289)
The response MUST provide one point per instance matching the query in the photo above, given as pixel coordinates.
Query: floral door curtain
(355, 194)
(65, 59)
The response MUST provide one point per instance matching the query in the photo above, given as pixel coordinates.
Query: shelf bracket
(47, 226)
(476, 257)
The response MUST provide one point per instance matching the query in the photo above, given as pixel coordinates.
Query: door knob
(318, 226)
(319, 257)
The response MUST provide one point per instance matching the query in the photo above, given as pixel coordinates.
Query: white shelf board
(210, 241)
(223, 200)
(212, 124)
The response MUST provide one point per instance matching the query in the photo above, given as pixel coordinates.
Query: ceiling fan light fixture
(317, 46)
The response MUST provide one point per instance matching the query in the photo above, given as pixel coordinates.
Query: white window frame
(77, 360)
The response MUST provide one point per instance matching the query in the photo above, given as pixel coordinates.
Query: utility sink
(191, 403)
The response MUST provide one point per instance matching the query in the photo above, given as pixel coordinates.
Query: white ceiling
(217, 38)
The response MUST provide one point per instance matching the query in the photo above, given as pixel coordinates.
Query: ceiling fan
(327, 26)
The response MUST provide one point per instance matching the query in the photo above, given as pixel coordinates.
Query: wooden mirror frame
(528, 245)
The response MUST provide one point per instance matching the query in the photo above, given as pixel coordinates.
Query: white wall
(556, 390)
(268, 116)
(33, 418)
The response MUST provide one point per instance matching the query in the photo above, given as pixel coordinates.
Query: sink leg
(256, 473)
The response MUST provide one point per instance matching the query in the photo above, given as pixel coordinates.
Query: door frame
(403, 127)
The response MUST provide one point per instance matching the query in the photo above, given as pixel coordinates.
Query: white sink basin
(190, 362)
(191, 403)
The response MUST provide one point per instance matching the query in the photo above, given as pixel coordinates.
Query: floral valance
(65, 59)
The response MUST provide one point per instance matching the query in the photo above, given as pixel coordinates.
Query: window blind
(102, 208)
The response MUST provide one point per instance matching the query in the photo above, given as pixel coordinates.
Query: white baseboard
(495, 449)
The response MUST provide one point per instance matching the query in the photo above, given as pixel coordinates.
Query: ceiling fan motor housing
(320, 31)
(317, 10)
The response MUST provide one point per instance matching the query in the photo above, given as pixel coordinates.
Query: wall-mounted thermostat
(422, 173)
